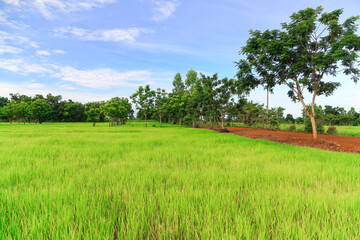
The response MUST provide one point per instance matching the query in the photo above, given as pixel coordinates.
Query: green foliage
(144, 100)
(40, 109)
(93, 115)
(319, 125)
(117, 109)
(289, 118)
(299, 120)
(191, 78)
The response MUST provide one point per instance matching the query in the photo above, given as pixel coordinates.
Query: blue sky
(90, 50)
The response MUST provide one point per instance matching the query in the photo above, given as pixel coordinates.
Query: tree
(93, 115)
(299, 120)
(39, 109)
(178, 97)
(3, 101)
(9, 111)
(251, 113)
(191, 77)
(209, 84)
(54, 101)
(117, 109)
(178, 84)
(91, 105)
(194, 104)
(313, 45)
(224, 91)
(144, 100)
(73, 111)
(160, 97)
(289, 118)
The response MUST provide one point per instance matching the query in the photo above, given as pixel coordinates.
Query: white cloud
(10, 23)
(15, 39)
(12, 2)
(164, 9)
(58, 51)
(23, 67)
(104, 78)
(35, 85)
(42, 53)
(81, 96)
(9, 49)
(113, 35)
(48, 7)
(66, 86)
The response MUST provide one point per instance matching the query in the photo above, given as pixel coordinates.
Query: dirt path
(326, 142)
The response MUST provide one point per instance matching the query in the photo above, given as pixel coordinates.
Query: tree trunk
(160, 120)
(313, 124)
(201, 121)
(145, 119)
(267, 101)
(180, 121)
(222, 120)
(193, 124)
(211, 124)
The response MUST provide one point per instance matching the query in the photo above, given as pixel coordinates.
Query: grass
(349, 131)
(74, 181)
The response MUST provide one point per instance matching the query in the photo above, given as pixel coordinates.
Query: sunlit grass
(74, 181)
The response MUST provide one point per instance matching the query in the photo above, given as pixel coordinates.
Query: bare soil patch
(326, 142)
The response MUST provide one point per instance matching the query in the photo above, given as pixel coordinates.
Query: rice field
(74, 181)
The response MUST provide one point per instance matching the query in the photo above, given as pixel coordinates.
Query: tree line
(203, 99)
(50, 108)
(196, 100)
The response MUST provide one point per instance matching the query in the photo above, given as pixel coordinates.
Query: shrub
(319, 125)
(292, 128)
(331, 130)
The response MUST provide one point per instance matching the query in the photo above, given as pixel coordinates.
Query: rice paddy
(74, 181)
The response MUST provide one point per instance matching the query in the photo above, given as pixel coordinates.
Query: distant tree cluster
(330, 115)
(199, 99)
(38, 109)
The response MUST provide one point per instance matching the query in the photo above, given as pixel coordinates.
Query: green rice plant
(74, 181)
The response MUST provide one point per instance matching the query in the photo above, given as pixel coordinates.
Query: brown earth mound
(326, 142)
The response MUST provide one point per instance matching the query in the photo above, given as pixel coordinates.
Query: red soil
(326, 142)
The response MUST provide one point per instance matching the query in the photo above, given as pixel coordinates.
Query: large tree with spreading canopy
(313, 45)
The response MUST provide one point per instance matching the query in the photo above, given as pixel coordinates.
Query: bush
(332, 130)
(319, 125)
(292, 128)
